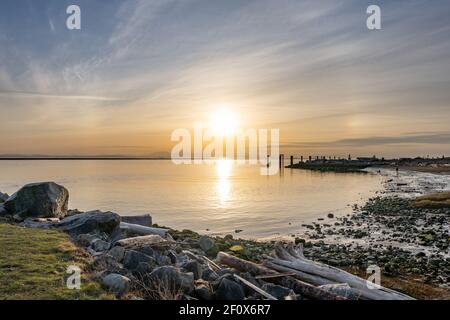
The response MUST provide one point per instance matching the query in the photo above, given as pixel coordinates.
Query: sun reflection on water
(223, 169)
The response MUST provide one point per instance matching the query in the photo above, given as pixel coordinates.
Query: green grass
(33, 264)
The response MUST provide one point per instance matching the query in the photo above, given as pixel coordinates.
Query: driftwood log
(142, 230)
(291, 259)
(298, 286)
(153, 240)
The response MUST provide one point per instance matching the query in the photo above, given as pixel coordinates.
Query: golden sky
(138, 70)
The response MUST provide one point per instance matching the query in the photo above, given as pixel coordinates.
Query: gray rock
(90, 222)
(203, 292)
(116, 283)
(206, 243)
(38, 224)
(148, 251)
(100, 245)
(43, 199)
(85, 239)
(132, 259)
(3, 197)
(3, 211)
(163, 260)
(172, 279)
(117, 253)
(194, 267)
(108, 263)
(277, 291)
(209, 275)
(143, 269)
(229, 290)
(143, 220)
(172, 256)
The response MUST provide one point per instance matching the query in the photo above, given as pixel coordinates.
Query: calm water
(221, 197)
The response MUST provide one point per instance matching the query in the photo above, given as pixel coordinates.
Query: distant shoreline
(82, 158)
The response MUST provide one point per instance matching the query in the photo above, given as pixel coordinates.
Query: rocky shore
(136, 259)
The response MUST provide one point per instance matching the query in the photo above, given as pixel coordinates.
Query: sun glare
(224, 123)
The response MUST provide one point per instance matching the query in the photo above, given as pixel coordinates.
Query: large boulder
(42, 199)
(90, 222)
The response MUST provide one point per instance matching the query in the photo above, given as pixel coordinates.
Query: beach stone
(132, 259)
(108, 263)
(3, 197)
(171, 278)
(206, 243)
(117, 253)
(42, 199)
(143, 220)
(143, 269)
(209, 275)
(90, 222)
(203, 292)
(99, 245)
(229, 290)
(116, 283)
(85, 239)
(277, 291)
(3, 210)
(172, 256)
(330, 216)
(194, 267)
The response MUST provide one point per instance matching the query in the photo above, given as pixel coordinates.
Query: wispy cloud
(55, 96)
(440, 138)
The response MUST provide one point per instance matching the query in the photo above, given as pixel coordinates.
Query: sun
(224, 122)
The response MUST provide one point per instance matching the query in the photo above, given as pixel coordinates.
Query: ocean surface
(211, 199)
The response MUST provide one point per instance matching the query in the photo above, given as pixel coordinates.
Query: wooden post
(301, 159)
(292, 161)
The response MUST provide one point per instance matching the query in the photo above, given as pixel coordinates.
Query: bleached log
(284, 258)
(142, 230)
(298, 286)
(303, 276)
(153, 240)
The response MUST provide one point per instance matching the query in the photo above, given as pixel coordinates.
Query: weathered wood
(298, 286)
(255, 288)
(142, 220)
(271, 276)
(150, 240)
(243, 265)
(292, 260)
(142, 230)
(309, 278)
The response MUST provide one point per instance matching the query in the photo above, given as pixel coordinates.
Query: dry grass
(159, 290)
(409, 285)
(433, 201)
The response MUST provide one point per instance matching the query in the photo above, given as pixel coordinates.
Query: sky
(137, 70)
